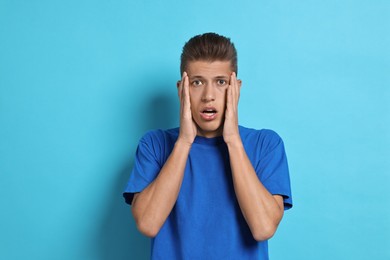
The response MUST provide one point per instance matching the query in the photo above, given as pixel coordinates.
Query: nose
(208, 93)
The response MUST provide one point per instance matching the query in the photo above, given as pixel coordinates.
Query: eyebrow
(201, 77)
(196, 77)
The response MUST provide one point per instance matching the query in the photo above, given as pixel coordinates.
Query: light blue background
(81, 81)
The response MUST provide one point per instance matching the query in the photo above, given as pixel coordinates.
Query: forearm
(261, 210)
(152, 206)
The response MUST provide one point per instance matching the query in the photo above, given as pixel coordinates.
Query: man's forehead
(209, 68)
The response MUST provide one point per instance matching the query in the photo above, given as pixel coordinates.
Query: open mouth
(209, 113)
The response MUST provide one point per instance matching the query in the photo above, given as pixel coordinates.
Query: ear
(239, 82)
(178, 87)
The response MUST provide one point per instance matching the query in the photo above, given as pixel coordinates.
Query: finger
(181, 85)
(233, 80)
(181, 95)
(238, 84)
(236, 89)
(186, 93)
(229, 98)
(233, 84)
(186, 90)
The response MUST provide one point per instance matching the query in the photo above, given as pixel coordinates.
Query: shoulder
(264, 134)
(159, 135)
(267, 139)
(157, 144)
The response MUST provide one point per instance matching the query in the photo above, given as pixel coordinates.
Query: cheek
(222, 91)
(195, 95)
(193, 101)
(222, 94)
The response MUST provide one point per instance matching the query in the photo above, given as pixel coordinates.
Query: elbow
(145, 225)
(266, 229)
(264, 233)
(147, 228)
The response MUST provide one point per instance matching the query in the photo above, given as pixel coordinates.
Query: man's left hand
(230, 128)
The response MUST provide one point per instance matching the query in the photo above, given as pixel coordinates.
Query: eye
(221, 82)
(197, 83)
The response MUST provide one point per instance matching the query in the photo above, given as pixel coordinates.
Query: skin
(209, 84)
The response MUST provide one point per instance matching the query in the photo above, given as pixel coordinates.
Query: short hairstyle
(208, 47)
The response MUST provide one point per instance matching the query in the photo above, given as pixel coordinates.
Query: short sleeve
(146, 167)
(272, 168)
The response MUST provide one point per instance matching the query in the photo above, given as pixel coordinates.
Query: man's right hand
(152, 206)
(187, 125)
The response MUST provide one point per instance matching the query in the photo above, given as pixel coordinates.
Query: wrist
(184, 143)
(234, 142)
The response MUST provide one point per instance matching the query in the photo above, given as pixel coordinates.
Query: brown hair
(208, 47)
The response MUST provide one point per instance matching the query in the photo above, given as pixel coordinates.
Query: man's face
(208, 82)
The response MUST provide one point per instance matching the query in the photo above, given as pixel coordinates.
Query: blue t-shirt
(206, 221)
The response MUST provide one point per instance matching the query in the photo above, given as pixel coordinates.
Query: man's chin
(209, 132)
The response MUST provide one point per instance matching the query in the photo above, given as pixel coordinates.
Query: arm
(261, 210)
(152, 206)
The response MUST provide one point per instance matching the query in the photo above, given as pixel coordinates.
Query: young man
(210, 189)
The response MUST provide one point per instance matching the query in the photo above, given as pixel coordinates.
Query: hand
(230, 128)
(187, 125)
